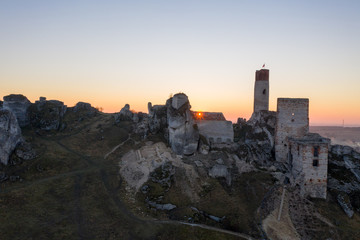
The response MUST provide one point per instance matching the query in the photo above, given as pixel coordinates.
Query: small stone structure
(305, 154)
(214, 127)
(261, 91)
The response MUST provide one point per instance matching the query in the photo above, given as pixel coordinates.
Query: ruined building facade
(292, 120)
(308, 161)
(305, 154)
(261, 90)
(214, 127)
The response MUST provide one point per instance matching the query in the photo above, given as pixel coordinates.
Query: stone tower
(292, 120)
(261, 91)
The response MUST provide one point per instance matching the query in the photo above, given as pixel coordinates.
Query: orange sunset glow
(135, 54)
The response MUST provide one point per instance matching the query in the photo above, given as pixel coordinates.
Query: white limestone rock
(19, 105)
(10, 135)
(219, 170)
(183, 132)
(179, 100)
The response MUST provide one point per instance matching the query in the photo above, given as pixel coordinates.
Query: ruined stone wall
(216, 132)
(261, 90)
(292, 121)
(312, 179)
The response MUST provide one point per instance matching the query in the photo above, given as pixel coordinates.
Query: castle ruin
(261, 90)
(305, 154)
(214, 127)
(292, 120)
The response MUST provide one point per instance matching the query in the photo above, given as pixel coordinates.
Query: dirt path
(241, 235)
(116, 147)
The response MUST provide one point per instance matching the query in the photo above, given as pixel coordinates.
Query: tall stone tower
(292, 120)
(261, 91)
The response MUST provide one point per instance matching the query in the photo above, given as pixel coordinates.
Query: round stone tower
(261, 91)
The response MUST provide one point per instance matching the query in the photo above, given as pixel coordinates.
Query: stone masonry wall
(313, 178)
(292, 121)
(216, 131)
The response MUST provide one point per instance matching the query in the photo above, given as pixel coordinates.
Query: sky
(110, 53)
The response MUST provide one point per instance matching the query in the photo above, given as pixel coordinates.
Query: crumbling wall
(292, 120)
(216, 132)
(313, 177)
(261, 90)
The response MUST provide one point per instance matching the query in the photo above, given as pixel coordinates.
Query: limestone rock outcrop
(255, 138)
(84, 110)
(47, 115)
(220, 170)
(19, 105)
(10, 134)
(183, 132)
(126, 114)
(157, 117)
(24, 151)
(83, 106)
(344, 202)
(263, 119)
(344, 177)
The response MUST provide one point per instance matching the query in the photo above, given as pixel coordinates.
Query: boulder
(219, 170)
(10, 135)
(19, 105)
(47, 115)
(183, 132)
(24, 151)
(84, 109)
(1, 104)
(82, 106)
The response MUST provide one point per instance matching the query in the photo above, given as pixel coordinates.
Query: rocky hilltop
(170, 173)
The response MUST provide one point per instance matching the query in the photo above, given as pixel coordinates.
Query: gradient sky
(109, 53)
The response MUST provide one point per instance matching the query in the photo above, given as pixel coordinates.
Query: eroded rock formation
(183, 132)
(47, 115)
(19, 105)
(157, 117)
(10, 134)
(126, 114)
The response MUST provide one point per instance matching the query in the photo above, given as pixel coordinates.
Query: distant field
(340, 135)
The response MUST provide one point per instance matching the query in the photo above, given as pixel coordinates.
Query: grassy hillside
(73, 190)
